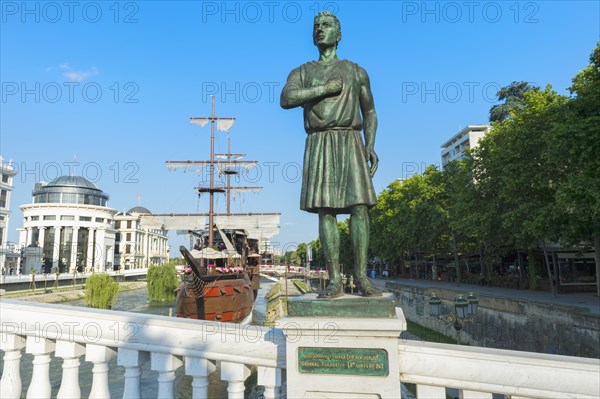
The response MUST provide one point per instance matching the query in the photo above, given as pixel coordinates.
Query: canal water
(137, 301)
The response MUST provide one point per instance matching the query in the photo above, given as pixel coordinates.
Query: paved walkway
(587, 300)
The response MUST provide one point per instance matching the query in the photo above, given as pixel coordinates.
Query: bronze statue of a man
(338, 107)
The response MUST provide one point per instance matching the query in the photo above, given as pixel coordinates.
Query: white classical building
(468, 137)
(7, 254)
(71, 225)
(138, 247)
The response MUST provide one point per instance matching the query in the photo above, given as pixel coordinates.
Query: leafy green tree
(514, 177)
(292, 258)
(513, 97)
(573, 151)
(301, 252)
(409, 218)
(101, 291)
(460, 209)
(162, 282)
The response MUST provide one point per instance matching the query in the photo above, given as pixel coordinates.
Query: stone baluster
(428, 391)
(199, 370)
(235, 374)
(165, 364)
(99, 355)
(10, 384)
(40, 348)
(132, 360)
(70, 353)
(464, 394)
(270, 378)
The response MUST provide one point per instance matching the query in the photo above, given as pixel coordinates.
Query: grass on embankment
(427, 334)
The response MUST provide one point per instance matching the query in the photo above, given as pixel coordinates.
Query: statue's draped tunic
(336, 171)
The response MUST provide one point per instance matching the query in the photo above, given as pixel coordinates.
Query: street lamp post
(465, 310)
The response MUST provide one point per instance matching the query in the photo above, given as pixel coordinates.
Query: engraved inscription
(354, 361)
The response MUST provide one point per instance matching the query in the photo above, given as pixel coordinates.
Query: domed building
(138, 247)
(69, 219)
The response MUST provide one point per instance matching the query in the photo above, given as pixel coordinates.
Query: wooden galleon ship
(221, 277)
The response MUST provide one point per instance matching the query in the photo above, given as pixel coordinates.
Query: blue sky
(107, 88)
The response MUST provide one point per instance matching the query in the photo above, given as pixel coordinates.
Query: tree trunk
(533, 269)
(481, 263)
(520, 269)
(456, 261)
(551, 277)
(597, 250)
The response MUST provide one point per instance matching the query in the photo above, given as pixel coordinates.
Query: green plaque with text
(354, 361)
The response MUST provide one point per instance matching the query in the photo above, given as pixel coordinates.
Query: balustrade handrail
(431, 366)
(238, 343)
(525, 374)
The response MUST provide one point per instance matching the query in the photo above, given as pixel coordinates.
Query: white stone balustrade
(70, 353)
(10, 384)
(170, 343)
(478, 372)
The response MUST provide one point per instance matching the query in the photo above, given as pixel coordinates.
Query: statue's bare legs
(359, 235)
(330, 242)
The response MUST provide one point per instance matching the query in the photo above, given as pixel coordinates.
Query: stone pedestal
(342, 348)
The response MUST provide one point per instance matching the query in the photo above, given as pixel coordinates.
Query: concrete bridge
(98, 336)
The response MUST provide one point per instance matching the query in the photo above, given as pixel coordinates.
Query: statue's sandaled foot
(367, 288)
(335, 289)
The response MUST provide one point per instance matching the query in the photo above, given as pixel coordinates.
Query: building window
(100, 220)
(117, 224)
(41, 198)
(5, 178)
(128, 237)
(54, 198)
(69, 198)
(67, 217)
(85, 218)
(35, 218)
(50, 217)
(3, 195)
(129, 224)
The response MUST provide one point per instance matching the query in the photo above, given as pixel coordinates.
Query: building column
(41, 236)
(110, 256)
(148, 251)
(28, 236)
(56, 247)
(74, 242)
(22, 237)
(90, 250)
(100, 248)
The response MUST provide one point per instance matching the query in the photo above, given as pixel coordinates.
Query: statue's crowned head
(329, 15)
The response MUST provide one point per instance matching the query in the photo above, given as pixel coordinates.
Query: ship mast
(229, 165)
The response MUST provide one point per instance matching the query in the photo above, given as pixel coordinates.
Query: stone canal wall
(67, 295)
(507, 323)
